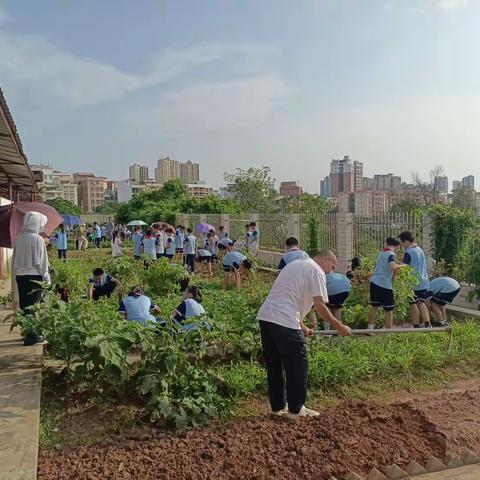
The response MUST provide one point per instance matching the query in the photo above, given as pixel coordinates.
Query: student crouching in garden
(234, 264)
(442, 292)
(100, 284)
(297, 286)
(137, 307)
(190, 307)
(292, 253)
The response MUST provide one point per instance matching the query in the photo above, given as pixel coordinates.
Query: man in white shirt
(299, 285)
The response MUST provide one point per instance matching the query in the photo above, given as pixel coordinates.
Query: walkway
(20, 388)
(469, 472)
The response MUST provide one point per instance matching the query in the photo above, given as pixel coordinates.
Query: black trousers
(29, 292)
(62, 254)
(190, 261)
(286, 359)
(97, 242)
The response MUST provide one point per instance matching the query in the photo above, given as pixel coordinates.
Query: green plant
(312, 240)
(161, 277)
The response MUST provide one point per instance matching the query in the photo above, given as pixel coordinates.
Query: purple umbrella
(204, 228)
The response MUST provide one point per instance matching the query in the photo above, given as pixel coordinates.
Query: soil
(348, 437)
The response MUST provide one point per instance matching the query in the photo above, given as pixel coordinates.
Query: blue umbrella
(71, 220)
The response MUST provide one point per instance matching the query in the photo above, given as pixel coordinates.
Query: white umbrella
(134, 223)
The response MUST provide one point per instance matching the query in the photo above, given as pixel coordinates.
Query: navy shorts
(381, 297)
(179, 250)
(160, 255)
(420, 296)
(443, 298)
(337, 300)
(169, 256)
(231, 268)
(221, 246)
(206, 259)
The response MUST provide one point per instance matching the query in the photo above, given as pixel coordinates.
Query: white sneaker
(304, 412)
(278, 413)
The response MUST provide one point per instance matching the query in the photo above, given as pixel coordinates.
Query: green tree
(253, 189)
(464, 198)
(64, 206)
(304, 203)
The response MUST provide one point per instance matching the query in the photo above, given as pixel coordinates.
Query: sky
(98, 85)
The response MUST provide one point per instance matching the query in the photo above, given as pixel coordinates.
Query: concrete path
(469, 472)
(20, 389)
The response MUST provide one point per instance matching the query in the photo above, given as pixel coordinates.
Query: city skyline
(234, 85)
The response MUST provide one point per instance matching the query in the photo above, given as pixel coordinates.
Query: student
(117, 243)
(442, 292)
(149, 244)
(381, 286)
(292, 253)
(211, 245)
(224, 244)
(103, 231)
(415, 257)
(205, 257)
(190, 244)
(190, 307)
(234, 264)
(100, 285)
(338, 289)
(248, 234)
(222, 233)
(254, 244)
(290, 300)
(82, 239)
(179, 238)
(355, 265)
(170, 243)
(160, 249)
(137, 307)
(137, 239)
(97, 234)
(61, 242)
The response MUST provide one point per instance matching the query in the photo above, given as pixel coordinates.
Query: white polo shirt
(291, 296)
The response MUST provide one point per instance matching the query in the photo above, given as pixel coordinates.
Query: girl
(170, 243)
(137, 307)
(190, 307)
(116, 244)
(150, 245)
(61, 242)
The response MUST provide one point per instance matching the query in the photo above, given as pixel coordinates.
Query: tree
(464, 198)
(429, 190)
(306, 202)
(252, 189)
(64, 206)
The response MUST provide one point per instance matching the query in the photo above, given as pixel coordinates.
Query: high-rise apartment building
(55, 184)
(456, 184)
(290, 189)
(91, 191)
(388, 181)
(139, 173)
(167, 169)
(442, 184)
(189, 172)
(345, 176)
(367, 183)
(325, 187)
(468, 182)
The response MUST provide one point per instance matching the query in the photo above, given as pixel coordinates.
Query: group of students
(428, 294)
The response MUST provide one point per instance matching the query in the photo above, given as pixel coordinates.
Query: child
(338, 289)
(149, 243)
(254, 244)
(190, 244)
(97, 234)
(190, 307)
(61, 242)
(292, 253)
(381, 286)
(205, 257)
(100, 285)
(224, 244)
(137, 238)
(234, 263)
(442, 292)
(415, 257)
(179, 238)
(117, 239)
(137, 307)
(212, 245)
(157, 232)
(222, 232)
(170, 243)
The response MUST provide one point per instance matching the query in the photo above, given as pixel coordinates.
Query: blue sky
(97, 86)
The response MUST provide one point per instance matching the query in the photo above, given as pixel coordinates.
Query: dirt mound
(353, 436)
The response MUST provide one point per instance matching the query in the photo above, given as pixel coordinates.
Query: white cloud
(449, 4)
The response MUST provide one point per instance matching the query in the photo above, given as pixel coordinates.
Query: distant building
(367, 183)
(166, 170)
(189, 172)
(111, 192)
(442, 184)
(138, 173)
(91, 191)
(365, 203)
(386, 182)
(468, 181)
(126, 189)
(456, 184)
(55, 184)
(225, 192)
(290, 189)
(345, 176)
(199, 190)
(325, 187)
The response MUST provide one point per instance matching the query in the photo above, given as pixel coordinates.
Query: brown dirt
(351, 436)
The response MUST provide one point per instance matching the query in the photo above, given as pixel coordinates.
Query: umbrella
(204, 227)
(11, 220)
(134, 223)
(71, 220)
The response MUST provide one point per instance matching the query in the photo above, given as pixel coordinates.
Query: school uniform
(381, 285)
(338, 289)
(232, 261)
(292, 255)
(137, 309)
(170, 247)
(443, 290)
(116, 247)
(212, 246)
(204, 255)
(415, 257)
(224, 243)
(61, 242)
(150, 247)
(179, 238)
(254, 241)
(189, 308)
(190, 244)
(160, 249)
(98, 236)
(137, 239)
(103, 287)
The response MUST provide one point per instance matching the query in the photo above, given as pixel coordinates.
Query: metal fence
(324, 225)
(369, 233)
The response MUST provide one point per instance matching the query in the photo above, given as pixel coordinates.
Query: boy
(442, 292)
(292, 253)
(190, 244)
(415, 257)
(149, 244)
(381, 286)
(234, 263)
(61, 242)
(97, 234)
(169, 243)
(137, 239)
(211, 245)
(179, 238)
(100, 285)
(224, 244)
(204, 256)
(338, 289)
(254, 244)
(222, 232)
